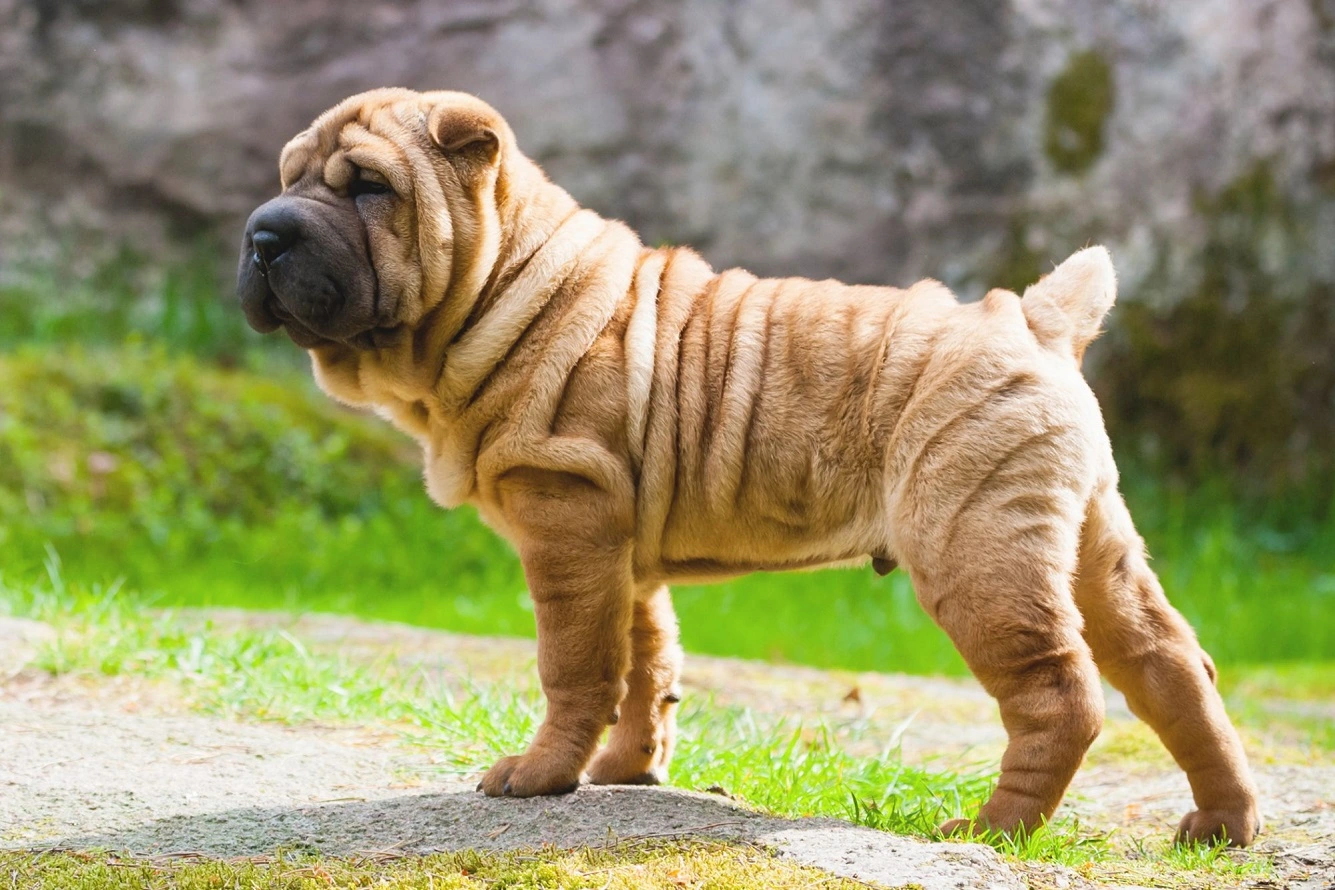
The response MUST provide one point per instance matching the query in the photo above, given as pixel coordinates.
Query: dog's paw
(527, 775)
(987, 826)
(613, 766)
(961, 829)
(955, 828)
(648, 777)
(1239, 827)
(610, 770)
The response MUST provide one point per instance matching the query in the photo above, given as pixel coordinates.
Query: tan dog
(628, 417)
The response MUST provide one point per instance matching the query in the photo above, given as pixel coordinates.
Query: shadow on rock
(459, 818)
(455, 819)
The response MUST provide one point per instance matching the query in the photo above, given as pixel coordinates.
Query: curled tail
(1066, 307)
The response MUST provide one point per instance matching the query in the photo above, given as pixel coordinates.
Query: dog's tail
(1066, 307)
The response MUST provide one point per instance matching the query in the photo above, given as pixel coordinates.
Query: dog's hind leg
(1148, 651)
(1002, 591)
(639, 746)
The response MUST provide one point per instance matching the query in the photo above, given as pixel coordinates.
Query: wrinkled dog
(627, 417)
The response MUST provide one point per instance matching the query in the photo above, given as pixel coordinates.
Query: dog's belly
(795, 503)
(780, 522)
(705, 571)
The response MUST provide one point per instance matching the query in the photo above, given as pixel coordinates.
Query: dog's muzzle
(304, 267)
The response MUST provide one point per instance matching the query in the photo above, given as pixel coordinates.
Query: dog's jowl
(627, 417)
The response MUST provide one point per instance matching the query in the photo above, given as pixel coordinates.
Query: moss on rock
(1017, 265)
(1236, 376)
(1079, 102)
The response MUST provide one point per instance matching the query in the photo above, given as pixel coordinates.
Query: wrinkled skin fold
(627, 418)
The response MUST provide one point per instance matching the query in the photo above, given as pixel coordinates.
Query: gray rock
(871, 140)
(875, 140)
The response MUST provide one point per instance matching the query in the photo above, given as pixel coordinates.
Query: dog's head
(388, 204)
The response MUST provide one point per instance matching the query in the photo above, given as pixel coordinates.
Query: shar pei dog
(628, 417)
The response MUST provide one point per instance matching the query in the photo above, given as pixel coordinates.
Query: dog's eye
(367, 182)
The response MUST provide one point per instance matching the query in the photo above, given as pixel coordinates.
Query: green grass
(123, 298)
(692, 864)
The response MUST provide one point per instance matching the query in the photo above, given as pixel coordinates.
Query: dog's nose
(269, 246)
(274, 228)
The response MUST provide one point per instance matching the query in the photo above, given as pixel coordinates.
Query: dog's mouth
(261, 283)
(376, 337)
(297, 330)
(277, 310)
(266, 313)
(260, 263)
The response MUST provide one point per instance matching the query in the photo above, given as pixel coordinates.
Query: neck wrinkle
(543, 237)
(526, 219)
(516, 252)
(432, 342)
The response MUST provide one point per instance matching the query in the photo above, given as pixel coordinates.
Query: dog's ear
(459, 130)
(1067, 306)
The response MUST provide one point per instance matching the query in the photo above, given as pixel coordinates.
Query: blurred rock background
(976, 141)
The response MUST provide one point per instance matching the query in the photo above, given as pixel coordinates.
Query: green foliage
(1080, 99)
(226, 486)
(126, 297)
(137, 438)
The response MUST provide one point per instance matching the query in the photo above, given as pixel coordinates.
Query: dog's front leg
(575, 546)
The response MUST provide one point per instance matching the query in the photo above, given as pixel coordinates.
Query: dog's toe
(958, 828)
(1239, 828)
(529, 776)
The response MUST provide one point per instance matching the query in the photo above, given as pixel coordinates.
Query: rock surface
(871, 140)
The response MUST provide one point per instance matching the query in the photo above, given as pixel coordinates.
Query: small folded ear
(459, 129)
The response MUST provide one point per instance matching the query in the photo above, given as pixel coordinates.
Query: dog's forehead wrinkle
(309, 182)
(388, 156)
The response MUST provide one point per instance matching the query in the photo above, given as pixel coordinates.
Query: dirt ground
(118, 764)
